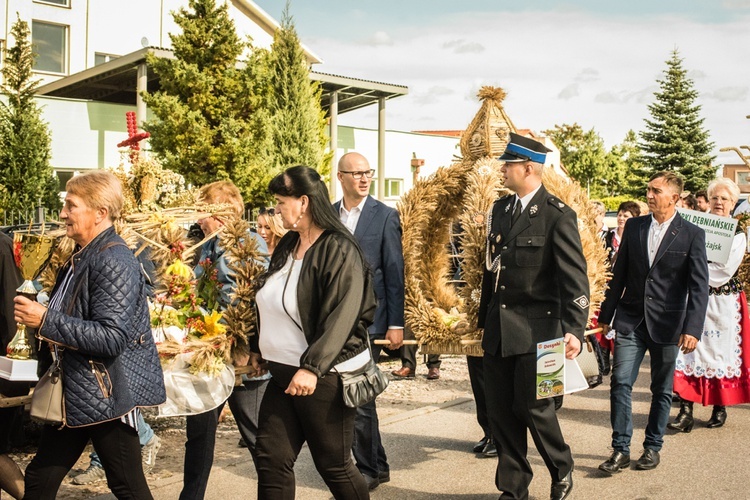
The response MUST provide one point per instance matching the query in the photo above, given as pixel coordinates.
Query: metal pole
(142, 86)
(381, 148)
(334, 134)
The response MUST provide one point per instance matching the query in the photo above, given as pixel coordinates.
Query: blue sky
(586, 61)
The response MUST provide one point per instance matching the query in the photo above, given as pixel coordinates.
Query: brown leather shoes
(433, 373)
(403, 372)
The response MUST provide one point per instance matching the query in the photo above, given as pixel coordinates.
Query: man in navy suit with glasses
(377, 228)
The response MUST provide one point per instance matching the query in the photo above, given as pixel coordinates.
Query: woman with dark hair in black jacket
(314, 304)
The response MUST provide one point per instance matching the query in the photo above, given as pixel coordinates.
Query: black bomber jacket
(336, 302)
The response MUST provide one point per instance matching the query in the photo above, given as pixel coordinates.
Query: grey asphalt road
(429, 451)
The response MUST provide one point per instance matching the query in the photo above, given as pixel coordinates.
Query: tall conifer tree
(209, 123)
(299, 125)
(25, 170)
(674, 138)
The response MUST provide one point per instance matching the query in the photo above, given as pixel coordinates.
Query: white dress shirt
(526, 199)
(350, 218)
(655, 236)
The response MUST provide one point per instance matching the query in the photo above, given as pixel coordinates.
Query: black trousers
(476, 378)
(512, 406)
(323, 421)
(59, 449)
(201, 436)
(368, 450)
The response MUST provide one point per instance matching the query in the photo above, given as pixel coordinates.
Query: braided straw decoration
(465, 192)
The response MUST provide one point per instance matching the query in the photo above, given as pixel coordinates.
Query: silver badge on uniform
(561, 204)
(533, 209)
(507, 208)
(582, 302)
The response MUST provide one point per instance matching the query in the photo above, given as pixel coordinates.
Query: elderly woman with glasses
(718, 371)
(270, 227)
(98, 325)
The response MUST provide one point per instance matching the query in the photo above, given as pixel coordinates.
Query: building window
(61, 3)
(100, 58)
(50, 43)
(394, 188)
(743, 178)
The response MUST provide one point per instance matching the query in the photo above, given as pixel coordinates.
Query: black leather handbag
(363, 384)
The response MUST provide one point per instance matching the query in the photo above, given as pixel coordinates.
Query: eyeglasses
(358, 175)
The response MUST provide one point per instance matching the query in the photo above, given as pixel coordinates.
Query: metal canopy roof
(115, 81)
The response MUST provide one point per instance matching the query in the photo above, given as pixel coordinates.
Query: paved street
(430, 458)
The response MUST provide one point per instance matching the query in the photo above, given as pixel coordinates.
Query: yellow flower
(179, 268)
(212, 325)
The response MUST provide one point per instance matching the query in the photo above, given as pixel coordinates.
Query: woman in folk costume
(718, 371)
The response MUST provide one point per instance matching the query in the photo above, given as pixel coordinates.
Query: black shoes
(479, 447)
(648, 461)
(490, 450)
(684, 421)
(561, 489)
(616, 462)
(718, 417)
(372, 482)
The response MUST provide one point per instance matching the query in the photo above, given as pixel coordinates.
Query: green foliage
(612, 203)
(209, 122)
(299, 125)
(634, 176)
(584, 156)
(674, 138)
(25, 172)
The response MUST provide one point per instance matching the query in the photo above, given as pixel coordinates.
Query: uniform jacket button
(503, 306)
(502, 287)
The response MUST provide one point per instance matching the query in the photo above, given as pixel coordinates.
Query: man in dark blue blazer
(377, 228)
(659, 293)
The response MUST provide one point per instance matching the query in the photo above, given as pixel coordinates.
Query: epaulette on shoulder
(555, 202)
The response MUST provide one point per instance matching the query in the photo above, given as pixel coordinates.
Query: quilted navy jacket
(109, 359)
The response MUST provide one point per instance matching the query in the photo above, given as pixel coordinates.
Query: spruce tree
(299, 125)
(25, 171)
(208, 124)
(674, 138)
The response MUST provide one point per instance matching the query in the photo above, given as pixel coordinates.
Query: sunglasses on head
(267, 210)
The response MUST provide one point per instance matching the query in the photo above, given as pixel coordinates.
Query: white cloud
(736, 4)
(569, 92)
(588, 75)
(600, 72)
(729, 94)
(461, 46)
(379, 38)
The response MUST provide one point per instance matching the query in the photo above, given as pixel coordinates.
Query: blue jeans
(145, 433)
(630, 347)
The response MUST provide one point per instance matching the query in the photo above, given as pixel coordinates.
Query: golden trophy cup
(31, 252)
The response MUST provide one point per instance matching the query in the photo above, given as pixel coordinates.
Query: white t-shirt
(281, 340)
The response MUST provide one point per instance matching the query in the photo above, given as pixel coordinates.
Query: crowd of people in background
(334, 284)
